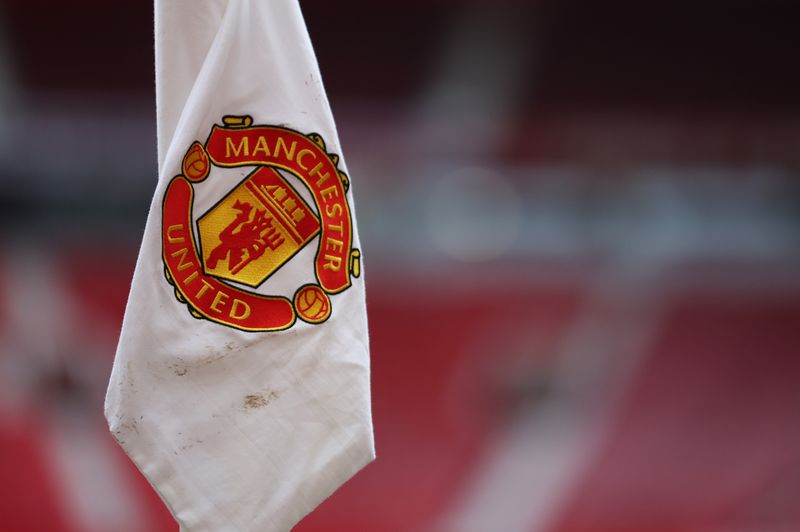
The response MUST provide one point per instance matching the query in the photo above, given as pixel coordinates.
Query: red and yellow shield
(257, 227)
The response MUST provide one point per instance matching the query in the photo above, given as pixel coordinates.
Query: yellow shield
(255, 229)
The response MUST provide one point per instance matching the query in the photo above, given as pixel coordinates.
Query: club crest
(216, 264)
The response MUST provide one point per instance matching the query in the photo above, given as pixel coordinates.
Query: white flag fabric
(240, 386)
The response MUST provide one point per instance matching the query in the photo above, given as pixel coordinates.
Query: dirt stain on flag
(181, 367)
(255, 401)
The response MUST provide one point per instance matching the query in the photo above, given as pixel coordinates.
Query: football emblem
(220, 262)
(195, 164)
(312, 304)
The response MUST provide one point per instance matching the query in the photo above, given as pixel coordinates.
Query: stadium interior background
(580, 224)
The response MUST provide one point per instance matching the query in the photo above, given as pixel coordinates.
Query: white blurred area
(580, 226)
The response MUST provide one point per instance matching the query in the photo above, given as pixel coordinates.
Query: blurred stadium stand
(581, 228)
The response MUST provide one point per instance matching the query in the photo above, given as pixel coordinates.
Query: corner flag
(240, 386)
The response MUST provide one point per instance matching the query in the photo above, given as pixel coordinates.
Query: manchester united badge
(221, 261)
